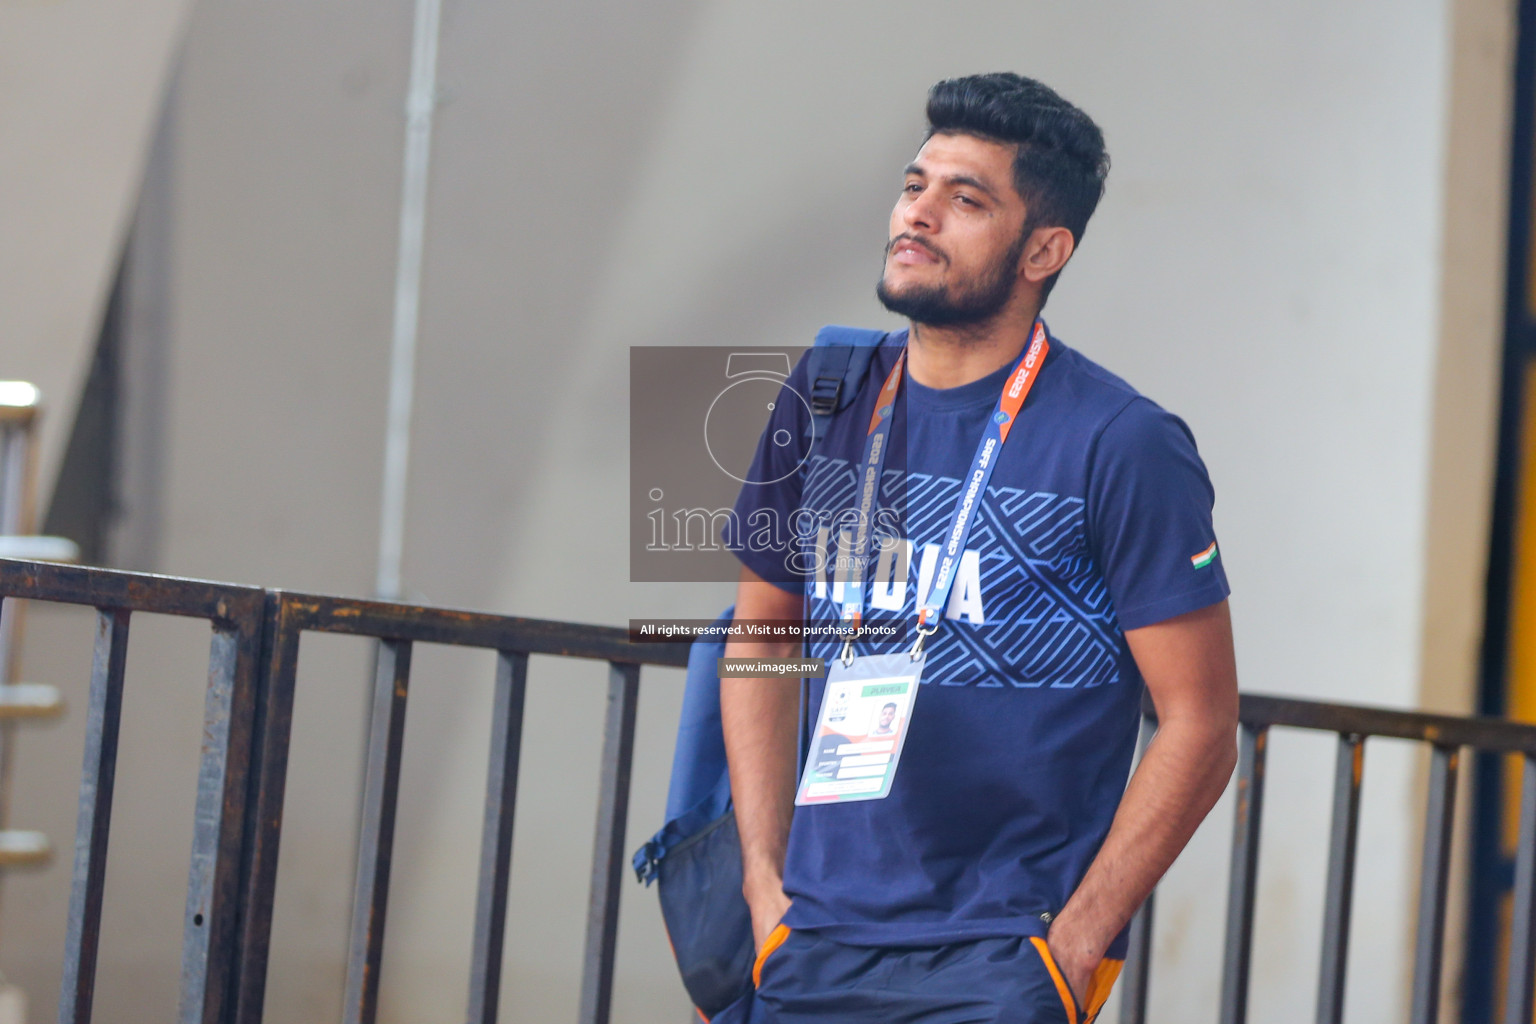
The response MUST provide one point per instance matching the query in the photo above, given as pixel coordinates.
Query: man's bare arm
(759, 717)
(1191, 674)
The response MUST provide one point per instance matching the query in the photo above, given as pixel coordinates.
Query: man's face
(957, 234)
(887, 716)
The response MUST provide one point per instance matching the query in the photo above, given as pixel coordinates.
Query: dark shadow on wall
(107, 494)
(85, 495)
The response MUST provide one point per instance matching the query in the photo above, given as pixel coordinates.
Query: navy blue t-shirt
(1097, 520)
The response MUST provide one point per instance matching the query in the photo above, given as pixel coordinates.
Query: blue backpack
(696, 856)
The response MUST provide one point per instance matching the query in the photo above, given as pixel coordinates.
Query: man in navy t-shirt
(996, 879)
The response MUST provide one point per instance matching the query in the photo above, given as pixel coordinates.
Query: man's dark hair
(1060, 163)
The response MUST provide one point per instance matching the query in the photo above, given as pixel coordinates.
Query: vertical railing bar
(1519, 1006)
(1339, 888)
(1434, 876)
(1249, 811)
(1138, 965)
(496, 836)
(386, 740)
(271, 731)
(103, 717)
(1138, 955)
(608, 847)
(210, 934)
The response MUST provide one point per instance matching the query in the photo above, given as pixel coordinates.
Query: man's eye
(912, 188)
(966, 200)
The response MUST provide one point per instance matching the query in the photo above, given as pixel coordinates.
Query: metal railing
(224, 772)
(248, 715)
(399, 627)
(1446, 735)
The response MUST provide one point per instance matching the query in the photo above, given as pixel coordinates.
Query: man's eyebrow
(913, 170)
(966, 179)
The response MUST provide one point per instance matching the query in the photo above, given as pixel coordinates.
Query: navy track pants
(803, 978)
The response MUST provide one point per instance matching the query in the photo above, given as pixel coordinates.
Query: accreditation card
(866, 710)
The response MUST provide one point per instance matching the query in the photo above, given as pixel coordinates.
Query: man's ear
(1046, 252)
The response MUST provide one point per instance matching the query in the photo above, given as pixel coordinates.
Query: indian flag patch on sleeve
(1204, 558)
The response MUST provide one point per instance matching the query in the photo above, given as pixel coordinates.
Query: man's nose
(921, 213)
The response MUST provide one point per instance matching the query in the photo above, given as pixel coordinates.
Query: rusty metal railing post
(103, 718)
(210, 928)
(496, 836)
(271, 728)
(386, 743)
(1136, 976)
(608, 847)
(1339, 890)
(1241, 885)
(1434, 876)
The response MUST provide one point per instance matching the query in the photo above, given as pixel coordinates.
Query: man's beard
(945, 305)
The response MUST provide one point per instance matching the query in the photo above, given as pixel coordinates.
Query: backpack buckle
(824, 392)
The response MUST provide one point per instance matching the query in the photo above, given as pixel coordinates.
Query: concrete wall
(1297, 253)
(82, 83)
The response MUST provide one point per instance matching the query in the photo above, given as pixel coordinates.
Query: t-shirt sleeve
(766, 540)
(1149, 518)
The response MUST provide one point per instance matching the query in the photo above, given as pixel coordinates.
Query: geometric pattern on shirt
(1049, 620)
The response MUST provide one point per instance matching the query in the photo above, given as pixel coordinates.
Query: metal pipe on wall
(420, 102)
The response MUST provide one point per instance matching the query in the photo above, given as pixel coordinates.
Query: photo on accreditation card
(858, 739)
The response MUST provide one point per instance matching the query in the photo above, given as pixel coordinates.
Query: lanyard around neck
(1015, 390)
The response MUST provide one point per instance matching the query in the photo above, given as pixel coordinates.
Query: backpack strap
(838, 363)
(836, 368)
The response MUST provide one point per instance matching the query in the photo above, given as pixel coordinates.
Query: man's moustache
(891, 245)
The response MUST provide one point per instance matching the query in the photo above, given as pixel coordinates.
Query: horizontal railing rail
(248, 717)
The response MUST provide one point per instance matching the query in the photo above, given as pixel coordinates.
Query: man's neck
(947, 357)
